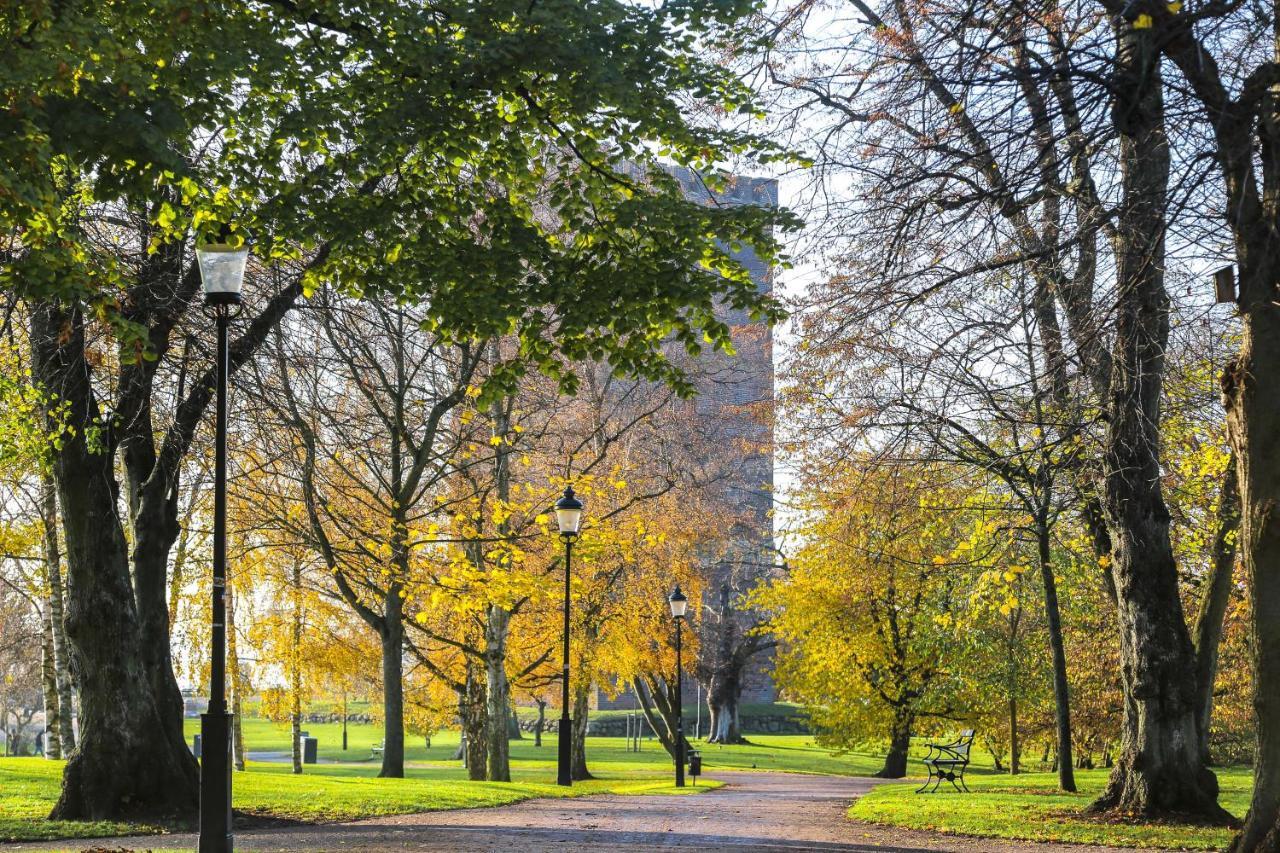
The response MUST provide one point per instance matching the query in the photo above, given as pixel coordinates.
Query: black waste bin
(309, 745)
(195, 748)
(695, 763)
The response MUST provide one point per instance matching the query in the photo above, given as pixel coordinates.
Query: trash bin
(309, 745)
(695, 763)
(195, 748)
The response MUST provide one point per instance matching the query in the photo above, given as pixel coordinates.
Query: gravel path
(753, 812)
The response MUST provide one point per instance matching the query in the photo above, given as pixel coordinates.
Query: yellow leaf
(1142, 22)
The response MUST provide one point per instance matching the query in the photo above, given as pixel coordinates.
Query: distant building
(735, 401)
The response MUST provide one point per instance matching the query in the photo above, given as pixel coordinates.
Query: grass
(345, 785)
(1026, 807)
(1029, 807)
(790, 753)
(29, 787)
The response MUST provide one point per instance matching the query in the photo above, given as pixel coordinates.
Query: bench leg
(920, 790)
(963, 784)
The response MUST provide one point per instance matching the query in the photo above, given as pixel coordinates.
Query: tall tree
(947, 163)
(291, 133)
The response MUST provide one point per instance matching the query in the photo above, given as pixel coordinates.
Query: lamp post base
(565, 774)
(215, 784)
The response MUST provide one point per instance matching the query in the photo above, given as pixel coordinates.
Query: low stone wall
(772, 724)
(337, 718)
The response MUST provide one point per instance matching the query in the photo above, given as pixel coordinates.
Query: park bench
(377, 748)
(948, 761)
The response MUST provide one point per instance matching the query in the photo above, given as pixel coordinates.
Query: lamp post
(222, 273)
(679, 603)
(569, 519)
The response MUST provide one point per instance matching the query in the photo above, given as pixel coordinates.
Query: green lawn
(1029, 807)
(29, 787)
(793, 753)
(349, 788)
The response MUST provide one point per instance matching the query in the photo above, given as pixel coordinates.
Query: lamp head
(222, 272)
(569, 513)
(679, 603)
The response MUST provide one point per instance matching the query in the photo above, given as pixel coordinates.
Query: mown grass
(29, 787)
(790, 753)
(1030, 807)
(344, 786)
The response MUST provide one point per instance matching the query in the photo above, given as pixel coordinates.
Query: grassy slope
(1030, 807)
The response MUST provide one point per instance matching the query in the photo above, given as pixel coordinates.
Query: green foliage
(497, 161)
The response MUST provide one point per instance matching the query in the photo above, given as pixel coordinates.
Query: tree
(291, 134)
(1235, 98)
(866, 612)
(947, 165)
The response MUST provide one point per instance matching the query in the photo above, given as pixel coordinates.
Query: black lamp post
(569, 518)
(679, 603)
(222, 273)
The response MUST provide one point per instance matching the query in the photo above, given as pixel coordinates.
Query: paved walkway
(753, 812)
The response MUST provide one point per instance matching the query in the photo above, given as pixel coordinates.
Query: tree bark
(295, 666)
(581, 716)
(1013, 735)
(1061, 690)
(131, 761)
(61, 661)
(895, 763)
(722, 699)
(497, 694)
(542, 720)
(237, 684)
(1253, 415)
(1207, 632)
(1015, 617)
(475, 726)
(1159, 769)
(49, 687)
(393, 685)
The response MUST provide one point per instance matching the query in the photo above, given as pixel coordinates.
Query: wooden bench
(377, 750)
(948, 761)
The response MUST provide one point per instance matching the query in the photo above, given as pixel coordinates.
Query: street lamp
(679, 604)
(222, 273)
(569, 519)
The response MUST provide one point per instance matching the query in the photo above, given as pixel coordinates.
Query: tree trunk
(1013, 736)
(295, 731)
(475, 726)
(295, 664)
(542, 720)
(155, 531)
(722, 699)
(581, 716)
(497, 693)
(1207, 633)
(1015, 617)
(1159, 770)
(61, 661)
(1061, 691)
(237, 685)
(393, 685)
(131, 762)
(895, 763)
(1253, 415)
(49, 685)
